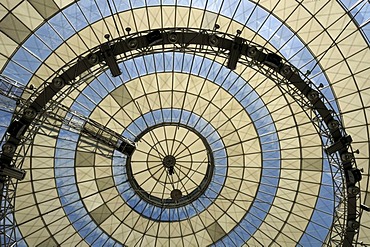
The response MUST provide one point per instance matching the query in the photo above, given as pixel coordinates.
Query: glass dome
(154, 123)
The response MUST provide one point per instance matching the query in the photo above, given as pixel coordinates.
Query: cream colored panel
(14, 28)
(169, 17)
(31, 226)
(45, 184)
(85, 159)
(84, 174)
(43, 162)
(63, 3)
(3, 59)
(42, 173)
(3, 11)
(46, 195)
(66, 54)
(48, 242)
(89, 39)
(7, 45)
(43, 151)
(91, 202)
(110, 224)
(121, 233)
(195, 18)
(100, 115)
(38, 237)
(68, 237)
(9, 4)
(182, 16)
(28, 15)
(28, 213)
(87, 188)
(45, 8)
(100, 214)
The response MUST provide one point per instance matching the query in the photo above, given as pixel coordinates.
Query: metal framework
(236, 50)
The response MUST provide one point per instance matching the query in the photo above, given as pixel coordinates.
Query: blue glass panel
(198, 4)
(159, 66)
(92, 95)
(229, 7)
(90, 10)
(17, 72)
(230, 80)
(214, 5)
(86, 102)
(361, 12)
(80, 109)
(244, 11)
(102, 85)
(47, 34)
(168, 2)
(137, 3)
(366, 30)
(62, 26)
(216, 67)
(104, 8)
(149, 61)
(228, 241)
(122, 5)
(183, 2)
(168, 61)
(140, 64)
(237, 239)
(95, 233)
(222, 75)
(281, 38)
(5, 117)
(348, 3)
(256, 20)
(26, 59)
(102, 240)
(153, 2)
(196, 65)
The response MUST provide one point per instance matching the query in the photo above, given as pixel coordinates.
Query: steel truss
(235, 49)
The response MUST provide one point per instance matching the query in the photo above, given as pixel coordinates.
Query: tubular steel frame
(287, 77)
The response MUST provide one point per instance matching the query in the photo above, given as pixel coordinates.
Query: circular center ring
(173, 179)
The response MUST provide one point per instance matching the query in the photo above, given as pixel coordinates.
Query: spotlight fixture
(251, 52)
(273, 60)
(154, 37)
(58, 82)
(172, 38)
(354, 175)
(235, 52)
(133, 43)
(353, 190)
(17, 129)
(313, 95)
(13, 172)
(339, 145)
(93, 58)
(213, 40)
(110, 60)
(353, 225)
(333, 125)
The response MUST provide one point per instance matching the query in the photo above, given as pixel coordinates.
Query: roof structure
(184, 123)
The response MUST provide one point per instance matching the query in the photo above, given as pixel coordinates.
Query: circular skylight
(140, 130)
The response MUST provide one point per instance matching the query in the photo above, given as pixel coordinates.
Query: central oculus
(172, 166)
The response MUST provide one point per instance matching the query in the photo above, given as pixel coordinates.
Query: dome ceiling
(223, 156)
